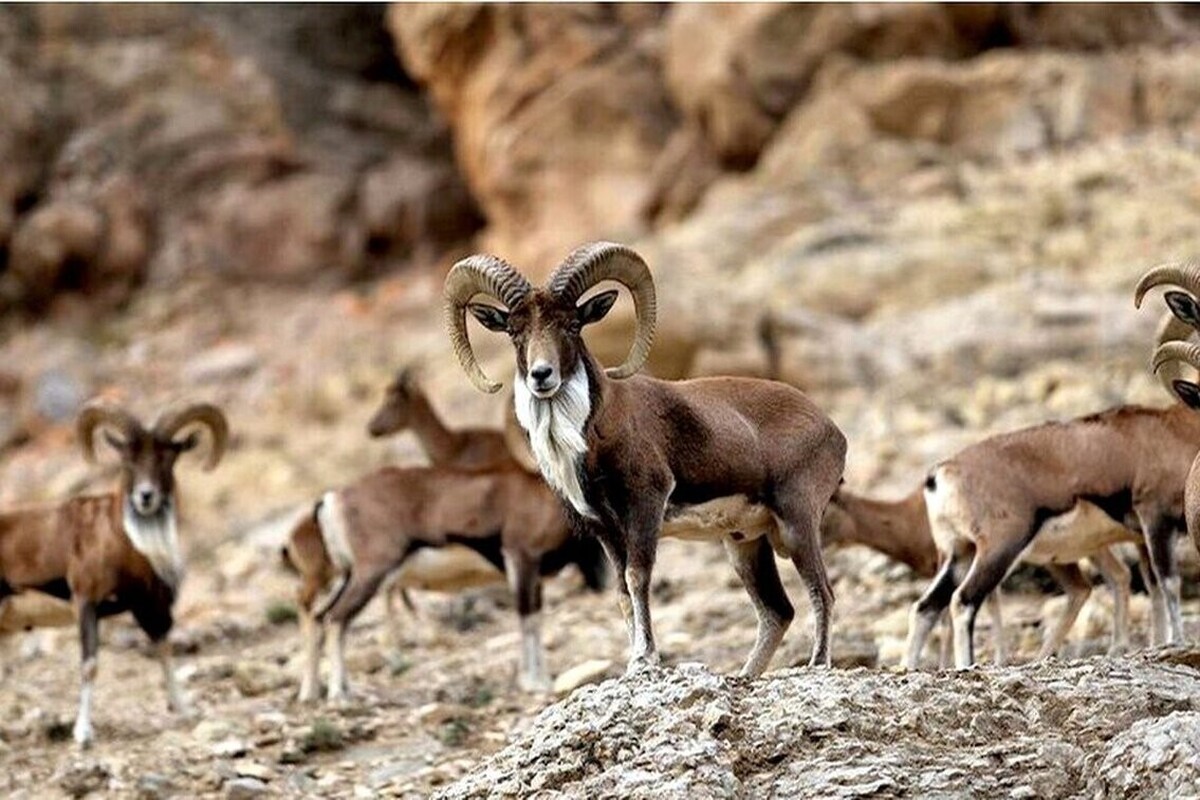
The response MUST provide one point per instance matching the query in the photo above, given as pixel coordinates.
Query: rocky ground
(1044, 731)
(929, 217)
(424, 713)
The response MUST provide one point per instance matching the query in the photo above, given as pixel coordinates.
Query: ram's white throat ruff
(555, 427)
(155, 536)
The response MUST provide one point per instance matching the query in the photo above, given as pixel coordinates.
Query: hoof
(184, 711)
(535, 684)
(83, 735)
(182, 707)
(641, 663)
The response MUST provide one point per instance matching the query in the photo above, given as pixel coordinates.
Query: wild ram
(626, 452)
(113, 552)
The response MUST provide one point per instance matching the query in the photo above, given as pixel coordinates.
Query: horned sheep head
(545, 323)
(148, 455)
(1172, 350)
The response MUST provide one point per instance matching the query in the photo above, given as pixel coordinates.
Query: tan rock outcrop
(559, 115)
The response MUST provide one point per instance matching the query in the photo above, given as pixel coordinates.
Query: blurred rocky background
(929, 217)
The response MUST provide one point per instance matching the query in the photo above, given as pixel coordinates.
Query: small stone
(589, 671)
(268, 739)
(81, 778)
(270, 720)
(57, 396)
(153, 786)
(437, 713)
(230, 748)
(213, 730)
(292, 754)
(222, 363)
(328, 780)
(253, 769)
(244, 789)
(253, 678)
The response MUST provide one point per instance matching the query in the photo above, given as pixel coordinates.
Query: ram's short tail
(305, 534)
(285, 561)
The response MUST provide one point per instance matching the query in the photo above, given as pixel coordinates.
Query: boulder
(1067, 730)
(736, 70)
(559, 115)
(151, 143)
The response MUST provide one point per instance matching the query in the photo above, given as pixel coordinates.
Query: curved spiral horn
(1170, 354)
(99, 414)
(605, 261)
(206, 414)
(478, 274)
(1170, 329)
(1184, 274)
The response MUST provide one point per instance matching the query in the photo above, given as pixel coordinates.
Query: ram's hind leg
(1158, 605)
(89, 644)
(799, 520)
(312, 632)
(1116, 576)
(926, 612)
(155, 620)
(1159, 533)
(614, 551)
(754, 562)
(988, 569)
(1078, 589)
(526, 583)
(357, 592)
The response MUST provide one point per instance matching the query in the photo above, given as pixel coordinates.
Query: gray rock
(211, 731)
(230, 748)
(153, 786)
(81, 778)
(1101, 727)
(1159, 757)
(583, 673)
(57, 396)
(244, 789)
(222, 363)
(253, 678)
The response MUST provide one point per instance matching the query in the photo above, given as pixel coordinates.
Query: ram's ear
(1184, 307)
(1188, 392)
(490, 317)
(595, 308)
(188, 442)
(114, 441)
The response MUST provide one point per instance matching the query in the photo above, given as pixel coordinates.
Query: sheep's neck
(441, 444)
(898, 529)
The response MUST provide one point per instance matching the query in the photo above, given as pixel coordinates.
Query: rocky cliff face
(153, 142)
(573, 123)
(770, 149)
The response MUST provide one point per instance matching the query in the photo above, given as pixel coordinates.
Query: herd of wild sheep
(596, 464)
